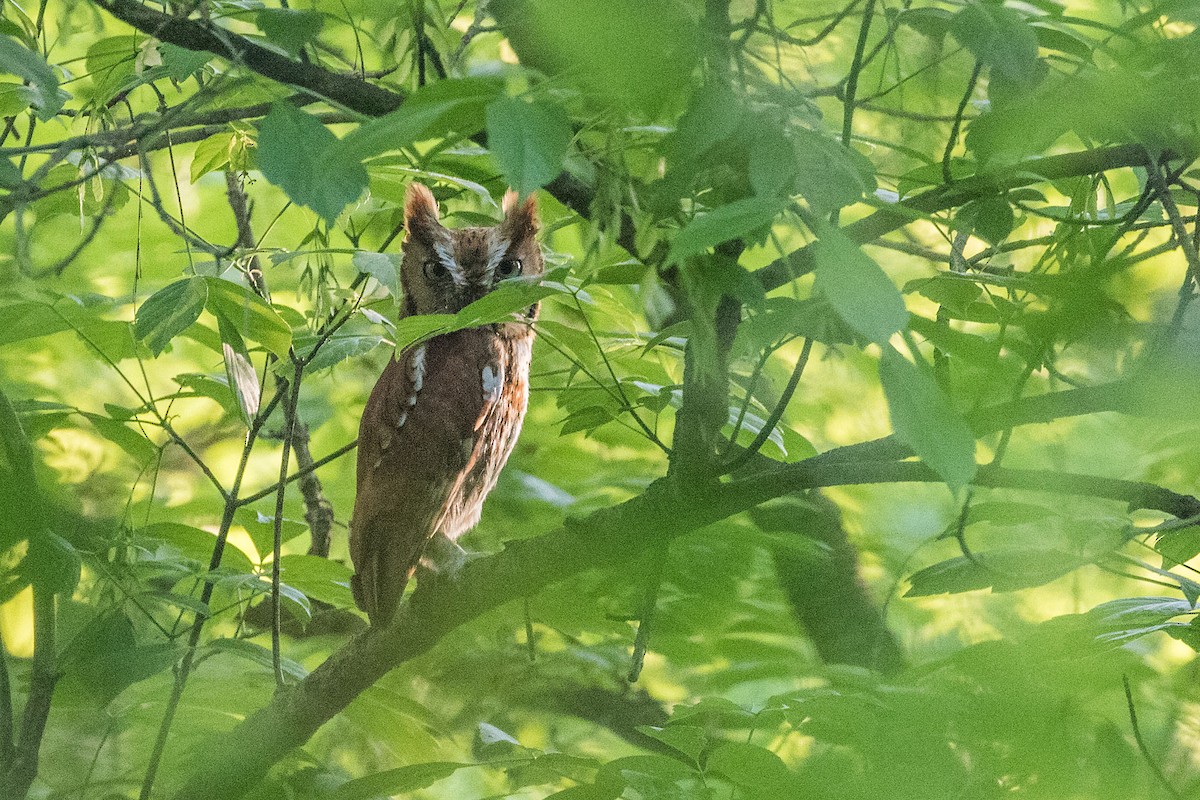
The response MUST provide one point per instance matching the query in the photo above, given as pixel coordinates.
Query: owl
(445, 414)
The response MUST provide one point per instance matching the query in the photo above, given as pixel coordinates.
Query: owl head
(444, 270)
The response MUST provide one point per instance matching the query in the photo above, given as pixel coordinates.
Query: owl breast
(504, 387)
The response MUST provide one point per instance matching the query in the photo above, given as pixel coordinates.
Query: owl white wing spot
(491, 379)
(416, 373)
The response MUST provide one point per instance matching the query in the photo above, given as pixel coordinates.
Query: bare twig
(293, 396)
(800, 262)
(776, 413)
(1187, 291)
(42, 678)
(7, 743)
(300, 473)
(849, 94)
(1141, 743)
(21, 748)
(654, 578)
(952, 139)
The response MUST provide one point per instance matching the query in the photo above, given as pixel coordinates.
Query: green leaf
(25, 63)
(630, 55)
(1004, 570)
(829, 175)
(319, 578)
(989, 218)
(169, 311)
(499, 305)
(772, 162)
(450, 105)
(335, 350)
(258, 655)
(398, 781)
(197, 545)
(932, 22)
(179, 63)
(756, 769)
(713, 115)
(14, 98)
(211, 154)
(261, 529)
(290, 28)
(383, 267)
(250, 315)
(528, 140)
(239, 371)
(1007, 512)
(508, 298)
(687, 739)
(954, 292)
(297, 153)
(1137, 612)
(1179, 546)
(141, 449)
(722, 224)
(104, 659)
(1000, 38)
(924, 419)
(413, 330)
(19, 495)
(51, 563)
(111, 62)
(857, 288)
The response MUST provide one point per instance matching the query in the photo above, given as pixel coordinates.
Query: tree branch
(787, 268)
(342, 90)
(606, 538)
(26, 511)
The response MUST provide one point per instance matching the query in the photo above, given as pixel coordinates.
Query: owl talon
(444, 559)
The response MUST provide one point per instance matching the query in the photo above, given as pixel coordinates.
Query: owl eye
(433, 268)
(508, 267)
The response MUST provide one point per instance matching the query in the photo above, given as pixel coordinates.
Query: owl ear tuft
(420, 210)
(520, 218)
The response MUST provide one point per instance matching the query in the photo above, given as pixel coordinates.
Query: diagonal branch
(342, 90)
(605, 538)
(1088, 162)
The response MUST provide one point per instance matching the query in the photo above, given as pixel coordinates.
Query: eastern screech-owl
(444, 416)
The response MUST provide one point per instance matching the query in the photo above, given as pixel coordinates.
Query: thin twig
(848, 96)
(6, 715)
(1187, 291)
(184, 669)
(776, 413)
(952, 140)
(300, 473)
(658, 560)
(42, 679)
(289, 432)
(1141, 743)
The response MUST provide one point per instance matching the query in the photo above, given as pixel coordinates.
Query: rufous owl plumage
(444, 416)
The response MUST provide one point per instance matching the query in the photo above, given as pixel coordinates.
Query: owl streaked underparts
(445, 414)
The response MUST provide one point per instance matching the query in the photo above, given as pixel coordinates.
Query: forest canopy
(861, 454)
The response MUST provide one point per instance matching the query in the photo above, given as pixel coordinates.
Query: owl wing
(416, 440)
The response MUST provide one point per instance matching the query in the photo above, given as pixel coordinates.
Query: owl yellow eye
(433, 268)
(508, 267)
